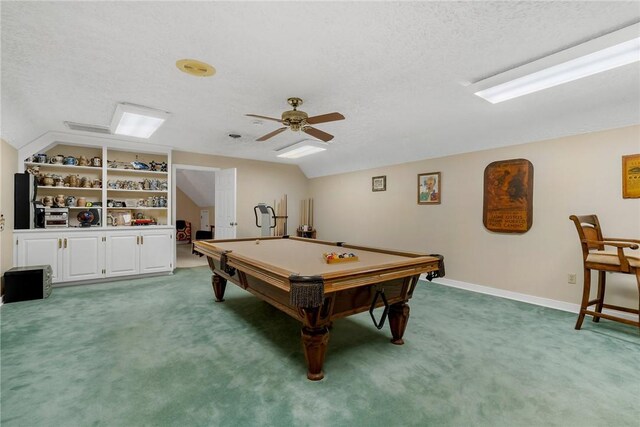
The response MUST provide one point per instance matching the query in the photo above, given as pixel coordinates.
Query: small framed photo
(631, 176)
(429, 188)
(379, 183)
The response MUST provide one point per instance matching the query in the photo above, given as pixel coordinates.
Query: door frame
(174, 169)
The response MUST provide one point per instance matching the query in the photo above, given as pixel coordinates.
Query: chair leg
(585, 297)
(602, 278)
(638, 280)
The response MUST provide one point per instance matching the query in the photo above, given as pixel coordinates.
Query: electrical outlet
(571, 278)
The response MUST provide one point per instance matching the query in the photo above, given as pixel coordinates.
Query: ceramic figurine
(56, 160)
(83, 161)
(59, 201)
(96, 162)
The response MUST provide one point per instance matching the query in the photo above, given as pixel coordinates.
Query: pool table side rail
(333, 281)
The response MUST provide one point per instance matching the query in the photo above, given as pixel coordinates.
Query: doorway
(193, 209)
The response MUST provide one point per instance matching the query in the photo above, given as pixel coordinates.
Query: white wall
(573, 175)
(257, 182)
(8, 167)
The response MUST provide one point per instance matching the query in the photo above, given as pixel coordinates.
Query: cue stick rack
(281, 216)
(306, 219)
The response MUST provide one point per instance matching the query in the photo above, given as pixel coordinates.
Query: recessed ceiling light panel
(302, 148)
(195, 67)
(137, 120)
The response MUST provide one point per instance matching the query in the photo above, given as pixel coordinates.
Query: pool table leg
(219, 285)
(398, 318)
(314, 341)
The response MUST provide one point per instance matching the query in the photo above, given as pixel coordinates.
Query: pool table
(291, 274)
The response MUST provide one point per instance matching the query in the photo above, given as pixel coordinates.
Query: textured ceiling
(395, 70)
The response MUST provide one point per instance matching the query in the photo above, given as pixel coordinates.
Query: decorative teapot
(47, 180)
(70, 161)
(56, 160)
(40, 158)
(73, 180)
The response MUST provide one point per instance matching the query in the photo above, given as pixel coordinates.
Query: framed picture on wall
(429, 188)
(631, 176)
(379, 183)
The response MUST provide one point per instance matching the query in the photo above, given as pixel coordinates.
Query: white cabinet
(40, 249)
(123, 254)
(156, 251)
(89, 255)
(143, 252)
(78, 256)
(82, 256)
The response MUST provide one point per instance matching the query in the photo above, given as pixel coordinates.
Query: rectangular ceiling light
(137, 120)
(300, 149)
(587, 65)
(303, 150)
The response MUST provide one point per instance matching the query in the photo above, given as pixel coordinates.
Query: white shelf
(84, 207)
(64, 167)
(137, 208)
(120, 190)
(58, 187)
(136, 171)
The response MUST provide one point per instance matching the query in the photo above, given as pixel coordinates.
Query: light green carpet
(159, 351)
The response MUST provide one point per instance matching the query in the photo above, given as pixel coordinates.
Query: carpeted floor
(185, 257)
(159, 351)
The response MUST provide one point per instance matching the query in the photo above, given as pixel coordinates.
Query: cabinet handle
(59, 243)
(142, 240)
(137, 240)
(65, 243)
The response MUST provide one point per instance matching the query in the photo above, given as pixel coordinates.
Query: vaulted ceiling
(398, 72)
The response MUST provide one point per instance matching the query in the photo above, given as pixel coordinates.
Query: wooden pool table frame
(346, 292)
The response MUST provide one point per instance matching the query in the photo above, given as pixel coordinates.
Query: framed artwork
(379, 183)
(508, 196)
(429, 188)
(631, 176)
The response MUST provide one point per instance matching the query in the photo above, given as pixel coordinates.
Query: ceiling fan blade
(330, 117)
(272, 134)
(264, 117)
(317, 133)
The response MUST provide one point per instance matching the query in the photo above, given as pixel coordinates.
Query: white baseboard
(516, 296)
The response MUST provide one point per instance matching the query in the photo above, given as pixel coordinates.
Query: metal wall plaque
(508, 196)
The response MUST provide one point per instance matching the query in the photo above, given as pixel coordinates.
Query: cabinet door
(122, 254)
(41, 249)
(156, 251)
(82, 256)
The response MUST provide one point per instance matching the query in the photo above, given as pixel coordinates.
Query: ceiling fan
(300, 121)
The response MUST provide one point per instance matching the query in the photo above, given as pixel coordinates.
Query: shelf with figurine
(129, 217)
(66, 188)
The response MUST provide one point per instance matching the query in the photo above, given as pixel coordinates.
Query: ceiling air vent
(88, 128)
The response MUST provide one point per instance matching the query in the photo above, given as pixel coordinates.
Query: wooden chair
(595, 257)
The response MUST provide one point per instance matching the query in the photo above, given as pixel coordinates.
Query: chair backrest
(588, 228)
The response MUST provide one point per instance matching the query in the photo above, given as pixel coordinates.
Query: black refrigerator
(25, 188)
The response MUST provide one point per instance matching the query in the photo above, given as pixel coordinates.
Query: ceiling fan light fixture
(137, 120)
